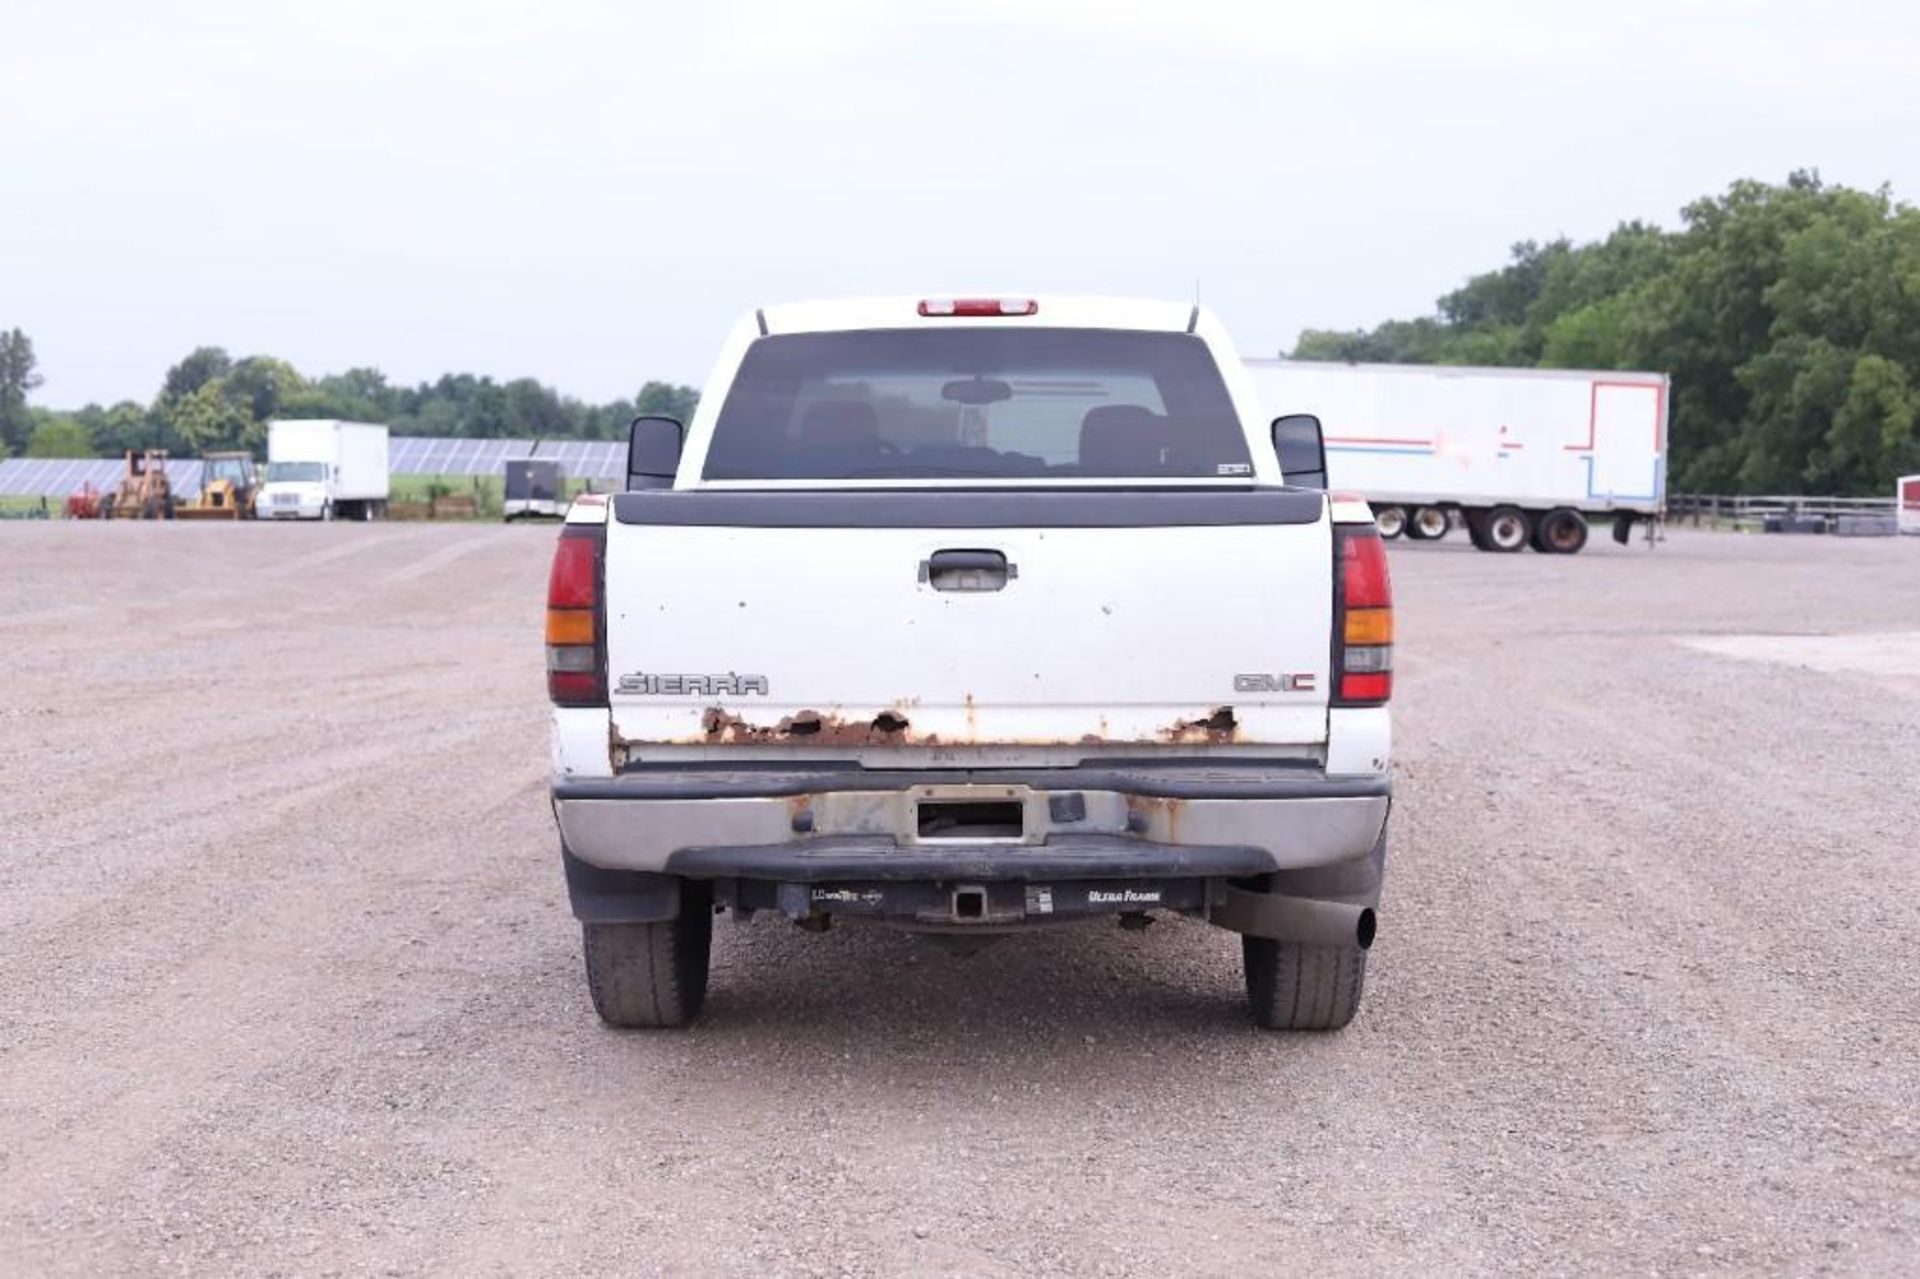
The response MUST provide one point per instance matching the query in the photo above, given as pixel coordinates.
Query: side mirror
(1302, 453)
(653, 452)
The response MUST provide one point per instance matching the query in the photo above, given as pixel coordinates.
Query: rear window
(978, 404)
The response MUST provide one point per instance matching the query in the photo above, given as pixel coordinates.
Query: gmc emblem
(1260, 683)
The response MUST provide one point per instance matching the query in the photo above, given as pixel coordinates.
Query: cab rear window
(1007, 403)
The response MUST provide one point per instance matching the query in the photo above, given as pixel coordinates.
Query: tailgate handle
(960, 570)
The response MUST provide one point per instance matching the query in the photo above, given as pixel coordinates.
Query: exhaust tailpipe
(1307, 920)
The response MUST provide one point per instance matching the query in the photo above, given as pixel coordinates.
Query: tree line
(209, 400)
(1788, 316)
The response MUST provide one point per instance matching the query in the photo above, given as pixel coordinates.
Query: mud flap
(601, 896)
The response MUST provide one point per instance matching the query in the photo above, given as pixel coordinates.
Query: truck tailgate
(777, 633)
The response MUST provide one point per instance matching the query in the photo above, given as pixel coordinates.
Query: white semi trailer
(1526, 456)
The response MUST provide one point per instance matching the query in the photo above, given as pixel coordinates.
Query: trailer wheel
(1477, 529)
(1507, 529)
(1561, 531)
(1392, 521)
(1428, 524)
(652, 975)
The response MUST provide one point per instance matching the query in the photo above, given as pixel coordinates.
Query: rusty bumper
(1175, 819)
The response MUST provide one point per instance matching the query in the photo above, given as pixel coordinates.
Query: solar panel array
(428, 455)
(601, 459)
(407, 455)
(57, 477)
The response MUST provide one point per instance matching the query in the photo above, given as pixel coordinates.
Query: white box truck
(1526, 456)
(324, 469)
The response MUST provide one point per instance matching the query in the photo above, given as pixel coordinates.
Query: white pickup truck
(967, 616)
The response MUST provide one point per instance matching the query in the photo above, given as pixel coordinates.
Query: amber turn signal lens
(1369, 626)
(570, 626)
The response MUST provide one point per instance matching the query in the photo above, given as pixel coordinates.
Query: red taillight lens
(576, 644)
(980, 306)
(1363, 618)
(575, 579)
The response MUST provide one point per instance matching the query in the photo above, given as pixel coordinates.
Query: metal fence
(1793, 513)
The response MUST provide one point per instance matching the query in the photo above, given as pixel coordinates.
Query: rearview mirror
(977, 390)
(653, 452)
(1302, 453)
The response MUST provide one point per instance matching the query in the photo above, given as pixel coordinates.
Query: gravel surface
(288, 982)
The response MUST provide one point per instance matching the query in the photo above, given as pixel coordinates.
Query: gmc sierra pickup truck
(968, 616)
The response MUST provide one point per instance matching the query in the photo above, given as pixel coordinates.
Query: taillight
(576, 630)
(1362, 618)
(979, 306)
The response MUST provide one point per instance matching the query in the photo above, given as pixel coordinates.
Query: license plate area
(997, 819)
(975, 814)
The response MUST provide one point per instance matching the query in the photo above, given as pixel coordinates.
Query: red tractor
(84, 503)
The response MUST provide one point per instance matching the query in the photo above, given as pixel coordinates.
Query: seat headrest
(1123, 439)
(836, 423)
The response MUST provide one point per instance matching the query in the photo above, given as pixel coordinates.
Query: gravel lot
(288, 982)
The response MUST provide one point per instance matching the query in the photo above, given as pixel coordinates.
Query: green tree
(57, 436)
(202, 365)
(209, 400)
(534, 411)
(668, 399)
(1788, 316)
(19, 377)
(1872, 431)
(207, 418)
(124, 426)
(260, 385)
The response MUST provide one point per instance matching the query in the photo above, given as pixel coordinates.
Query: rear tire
(652, 975)
(1295, 987)
(1392, 521)
(1506, 530)
(1428, 524)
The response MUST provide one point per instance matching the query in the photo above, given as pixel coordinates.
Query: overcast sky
(588, 193)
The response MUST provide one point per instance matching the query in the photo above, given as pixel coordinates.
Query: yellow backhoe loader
(229, 483)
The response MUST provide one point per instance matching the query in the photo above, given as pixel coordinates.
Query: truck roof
(1063, 311)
